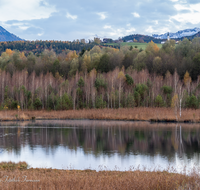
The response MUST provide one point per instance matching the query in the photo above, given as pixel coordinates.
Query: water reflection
(87, 143)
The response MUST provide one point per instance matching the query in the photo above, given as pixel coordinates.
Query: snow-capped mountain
(179, 34)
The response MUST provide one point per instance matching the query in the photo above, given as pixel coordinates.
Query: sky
(68, 20)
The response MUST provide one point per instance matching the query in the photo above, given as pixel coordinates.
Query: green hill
(133, 44)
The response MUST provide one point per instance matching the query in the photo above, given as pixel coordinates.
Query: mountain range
(179, 34)
(7, 36)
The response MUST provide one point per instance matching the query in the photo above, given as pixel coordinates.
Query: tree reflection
(101, 137)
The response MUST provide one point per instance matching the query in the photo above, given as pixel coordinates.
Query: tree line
(37, 47)
(103, 77)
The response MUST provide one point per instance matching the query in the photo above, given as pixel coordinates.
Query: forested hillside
(102, 77)
(37, 47)
(141, 38)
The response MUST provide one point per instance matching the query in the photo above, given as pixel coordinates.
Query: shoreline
(157, 115)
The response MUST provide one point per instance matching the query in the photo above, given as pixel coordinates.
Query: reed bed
(22, 178)
(127, 114)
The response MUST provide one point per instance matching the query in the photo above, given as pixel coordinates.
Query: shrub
(81, 82)
(99, 102)
(159, 101)
(37, 104)
(130, 101)
(192, 102)
(167, 89)
(129, 79)
(14, 104)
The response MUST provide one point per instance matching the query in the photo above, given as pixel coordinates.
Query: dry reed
(15, 178)
(127, 114)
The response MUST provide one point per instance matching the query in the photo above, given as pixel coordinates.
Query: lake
(92, 144)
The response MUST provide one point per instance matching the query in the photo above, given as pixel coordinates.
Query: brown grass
(53, 179)
(136, 114)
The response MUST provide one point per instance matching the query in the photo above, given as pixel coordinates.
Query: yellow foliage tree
(174, 101)
(152, 47)
(174, 104)
(71, 55)
(187, 79)
(86, 63)
(22, 55)
(9, 52)
(121, 75)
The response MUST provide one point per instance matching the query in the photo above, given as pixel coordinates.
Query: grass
(139, 45)
(53, 179)
(126, 114)
(13, 166)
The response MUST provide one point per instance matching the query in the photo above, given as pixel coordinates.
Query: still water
(111, 145)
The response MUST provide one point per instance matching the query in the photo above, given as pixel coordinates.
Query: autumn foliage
(111, 78)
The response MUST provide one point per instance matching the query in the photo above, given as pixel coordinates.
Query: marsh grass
(126, 114)
(13, 166)
(53, 179)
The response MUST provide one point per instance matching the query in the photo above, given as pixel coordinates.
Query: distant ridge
(141, 38)
(7, 36)
(145, 38)
(179, 34)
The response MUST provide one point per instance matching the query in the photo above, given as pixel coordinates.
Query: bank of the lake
(124, 114)
(17, 176)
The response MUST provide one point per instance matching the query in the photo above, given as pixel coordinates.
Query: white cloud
(150, 29)
(116, 32)
(190, 17)
(136, 15)
(22, 26)
(73, 17)
(102, 15)
(162, 30)
(107, 27)
(156, 21)
(25, 10)
(130, 30)
(40, 34)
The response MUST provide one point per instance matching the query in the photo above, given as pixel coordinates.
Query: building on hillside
(107, 40)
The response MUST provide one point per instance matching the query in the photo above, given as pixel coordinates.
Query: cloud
(192, 16)
(107, 26)
(156, 21)
(73, 17)
(44, 19)
(102, 15)
(151, 30)
(40, 34)
(25, 10)
(22, 26)
(136, 15)
(130, 30)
